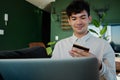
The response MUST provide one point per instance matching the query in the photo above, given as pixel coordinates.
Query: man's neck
(78, 35)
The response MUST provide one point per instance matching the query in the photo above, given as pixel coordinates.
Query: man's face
(79, 22)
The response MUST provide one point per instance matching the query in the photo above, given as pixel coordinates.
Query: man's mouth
(79, 27)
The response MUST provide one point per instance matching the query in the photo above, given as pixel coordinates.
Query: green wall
(24, 24)
(112, 15)
(56, 30)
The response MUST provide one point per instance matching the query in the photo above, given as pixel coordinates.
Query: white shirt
(99, 47)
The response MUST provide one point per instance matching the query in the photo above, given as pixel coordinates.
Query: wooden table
(117, 61)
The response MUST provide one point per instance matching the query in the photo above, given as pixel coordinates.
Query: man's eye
(83, 17)
(73, 18)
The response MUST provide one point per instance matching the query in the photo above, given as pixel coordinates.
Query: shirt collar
(84, 38)
(74, 38)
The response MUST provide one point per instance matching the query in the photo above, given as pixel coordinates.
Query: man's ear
(69, 21)
(90, 19)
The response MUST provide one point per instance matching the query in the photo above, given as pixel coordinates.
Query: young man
(79, 18)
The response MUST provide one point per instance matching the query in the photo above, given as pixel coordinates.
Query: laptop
(49, 69)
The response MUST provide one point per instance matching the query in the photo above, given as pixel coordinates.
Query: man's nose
(79, 21)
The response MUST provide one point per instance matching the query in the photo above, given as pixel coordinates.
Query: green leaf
(51, 43)
(49, 50)
(96, 23)
(106, 38)
(91, 30)
(103, 30)
(100, 36)
(103, 15)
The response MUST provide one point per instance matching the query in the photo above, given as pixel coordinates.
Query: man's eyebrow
(72, 16)
(80, 16)
(83, 15)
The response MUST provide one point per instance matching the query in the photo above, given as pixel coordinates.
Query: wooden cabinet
(64, 21)
(117, 62)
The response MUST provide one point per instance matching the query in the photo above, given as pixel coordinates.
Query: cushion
(34, 52)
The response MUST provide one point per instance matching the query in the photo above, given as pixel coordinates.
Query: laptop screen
(49, 69)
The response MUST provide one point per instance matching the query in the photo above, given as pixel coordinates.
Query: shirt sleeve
(108, 70)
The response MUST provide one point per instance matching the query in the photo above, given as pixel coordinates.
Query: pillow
(34, 52)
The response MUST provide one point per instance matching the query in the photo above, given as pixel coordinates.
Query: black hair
(77, 6)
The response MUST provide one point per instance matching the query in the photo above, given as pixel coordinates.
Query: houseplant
(50, 47)
(98, 23)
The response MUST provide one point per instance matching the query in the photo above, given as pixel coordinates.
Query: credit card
(81, 47)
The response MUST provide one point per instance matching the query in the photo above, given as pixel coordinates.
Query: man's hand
(76, 52)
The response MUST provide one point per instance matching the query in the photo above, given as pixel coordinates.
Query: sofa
(33, 52)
